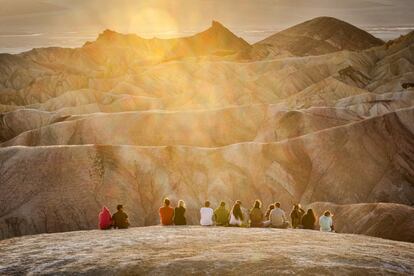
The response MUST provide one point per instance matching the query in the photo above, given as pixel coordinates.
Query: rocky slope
(217, 40)
(385, 220)
(210, 250)
(318, 36)
(128, 120)
(83, 178)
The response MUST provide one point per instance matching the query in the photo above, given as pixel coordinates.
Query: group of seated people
(238, 216)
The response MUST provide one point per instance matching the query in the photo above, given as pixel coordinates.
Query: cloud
(27, 7)
(190, 15)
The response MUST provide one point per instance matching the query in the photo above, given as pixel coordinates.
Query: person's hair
(311, 213)
(237, 213)
(295, 206)
(166, 202)
(207, 203)
(269, 209)
(239, 202)
(327, 213)
(119, 207)
(222, 203)
(277, 204)
(257, 204)
(181, 203)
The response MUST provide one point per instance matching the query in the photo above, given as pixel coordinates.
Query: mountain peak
(217, 40)
(222, 37)
(217, 27)
(322, 35)
(107, 34)
(216, 24)
(326, 19)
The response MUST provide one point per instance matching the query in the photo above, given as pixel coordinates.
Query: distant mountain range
(118, 52)
(318, 36)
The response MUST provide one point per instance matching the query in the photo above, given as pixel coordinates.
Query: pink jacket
(105, 219)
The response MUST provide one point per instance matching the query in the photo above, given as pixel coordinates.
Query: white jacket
(206, 214)
(325, 223)
(277, 217)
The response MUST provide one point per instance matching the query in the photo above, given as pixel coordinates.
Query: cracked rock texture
(205, 251)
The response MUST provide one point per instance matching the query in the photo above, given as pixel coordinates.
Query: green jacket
(221, 215)
(256, 218)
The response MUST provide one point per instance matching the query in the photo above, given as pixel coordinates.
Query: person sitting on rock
(221, 215)
(278, 217)
(236, 215)
(269, 209)
(166, 213)
(120, 218)
(105, 219)
(308, 220)
(245, 211)
(325, 222)
(256, 215)
(206, 215)
(179, 214)
(296, 216)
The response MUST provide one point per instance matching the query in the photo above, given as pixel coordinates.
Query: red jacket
(166, 215)
(105, 221)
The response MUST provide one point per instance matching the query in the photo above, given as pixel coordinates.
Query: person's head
(181, 203)
(257, 204)
(166, 202)
(207, 203)
(277, 205)
(327, 213)
(237, 213)
(296, 207)
(222, 204)
(119, 207)
(239, 202)
(269, 209)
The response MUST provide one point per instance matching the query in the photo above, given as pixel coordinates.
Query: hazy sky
(251, 19)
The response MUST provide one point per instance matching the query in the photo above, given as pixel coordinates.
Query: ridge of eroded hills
(321, 35)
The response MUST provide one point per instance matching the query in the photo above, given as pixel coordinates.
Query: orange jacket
(166, 215)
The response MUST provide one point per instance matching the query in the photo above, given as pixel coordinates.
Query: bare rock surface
(209, 250)
(75, 181)
(321, 35)
(204, 128)
(385, 220)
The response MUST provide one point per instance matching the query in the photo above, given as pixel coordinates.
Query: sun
(149, 21)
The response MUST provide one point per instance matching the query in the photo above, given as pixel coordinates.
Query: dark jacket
(267, 215)
(308, 222)
(256, 218)
(179, 216)
(120, 220)
(296, 217)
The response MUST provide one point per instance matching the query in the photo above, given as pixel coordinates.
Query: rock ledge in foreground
(172, 250)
